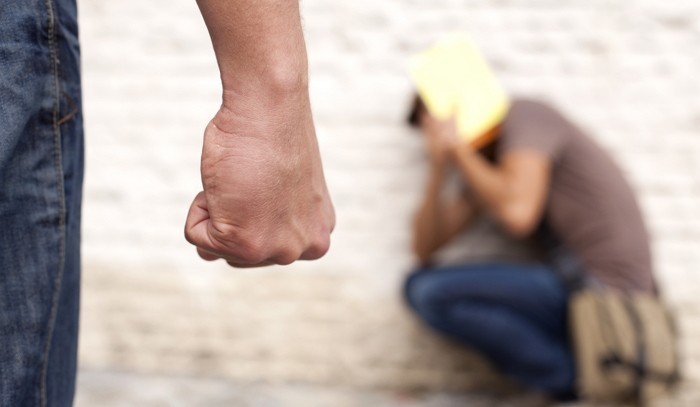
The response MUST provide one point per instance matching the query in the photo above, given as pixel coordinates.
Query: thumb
(196, 227)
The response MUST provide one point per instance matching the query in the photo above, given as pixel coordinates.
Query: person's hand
(265, 199)
(441, 137)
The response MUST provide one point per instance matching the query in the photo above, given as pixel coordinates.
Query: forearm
(437, 219)
(259, 44)
(264, 198)
(426, 223)
(514, 191)
(486, 180)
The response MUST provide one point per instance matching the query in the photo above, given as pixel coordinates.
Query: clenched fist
(265, 199)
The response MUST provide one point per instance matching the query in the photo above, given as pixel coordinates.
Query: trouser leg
(514, 314)
(41, 159)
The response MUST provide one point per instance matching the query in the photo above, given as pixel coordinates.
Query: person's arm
(264, 198)
(259, 46)
(514, 191)
(437, 220)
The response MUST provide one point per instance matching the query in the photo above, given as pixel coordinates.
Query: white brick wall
(626, 71)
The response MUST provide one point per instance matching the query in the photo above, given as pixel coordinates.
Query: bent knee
(422, 292)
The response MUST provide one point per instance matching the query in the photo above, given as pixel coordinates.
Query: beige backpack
(625, 345)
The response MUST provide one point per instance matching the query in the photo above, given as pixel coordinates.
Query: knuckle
(286, 258)
(252, 251)
(249, 255)
(289, 255)
(246, 248)
(189, 237)
(319, 248)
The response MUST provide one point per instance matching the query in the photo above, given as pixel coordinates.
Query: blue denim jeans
(514, 314)
(41, 171)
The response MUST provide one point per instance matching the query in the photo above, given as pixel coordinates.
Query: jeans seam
(54, 61)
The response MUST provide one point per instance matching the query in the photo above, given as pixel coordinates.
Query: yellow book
(454, 79)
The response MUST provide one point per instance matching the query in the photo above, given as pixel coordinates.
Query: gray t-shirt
(590, 206)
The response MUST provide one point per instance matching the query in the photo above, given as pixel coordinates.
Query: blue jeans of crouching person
(514, 314)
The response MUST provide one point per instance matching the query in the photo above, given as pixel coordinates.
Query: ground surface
(110, 389)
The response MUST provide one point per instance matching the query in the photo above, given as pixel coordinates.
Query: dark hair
(489, 151)
(417, 106)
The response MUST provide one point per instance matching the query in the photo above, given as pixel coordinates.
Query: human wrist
(463, 151)
(264, 83)
(265, 104)
(437, 174)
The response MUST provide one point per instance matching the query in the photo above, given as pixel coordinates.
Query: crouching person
(539, 170)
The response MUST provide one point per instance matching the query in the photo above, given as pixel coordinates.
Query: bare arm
(259, 44)
(514, 191)
(438, 221)
(264, 198)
